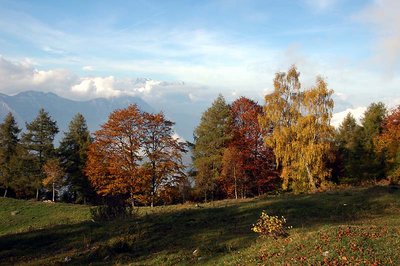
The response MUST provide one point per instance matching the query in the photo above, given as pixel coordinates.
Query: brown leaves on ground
(347, 245)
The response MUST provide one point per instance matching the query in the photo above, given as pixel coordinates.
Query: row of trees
(371, 150)
(248, 146)
(29, 163)
(133, 156)
(241, 148)
(229, 157)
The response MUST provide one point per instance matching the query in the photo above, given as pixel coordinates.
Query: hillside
(335, 228)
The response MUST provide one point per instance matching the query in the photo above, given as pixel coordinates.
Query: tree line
(240, 150)
(244, 149)
(133, 157)
(30, 165)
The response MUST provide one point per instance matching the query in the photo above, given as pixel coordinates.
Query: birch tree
(297, 126)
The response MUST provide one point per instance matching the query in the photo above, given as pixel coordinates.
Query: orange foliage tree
(232, 176)
(388, 142)
(163, 152)
(133, 154)
(114, 155)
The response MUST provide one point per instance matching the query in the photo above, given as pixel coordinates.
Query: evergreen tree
(73, 156)
(372, 163)
(349, 142)
(211, 136)
(38, 140)
(8, 149)
(24, 182)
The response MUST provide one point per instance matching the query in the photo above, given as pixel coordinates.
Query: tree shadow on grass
(173, 236)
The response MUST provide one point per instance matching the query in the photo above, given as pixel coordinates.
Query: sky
(174, 50)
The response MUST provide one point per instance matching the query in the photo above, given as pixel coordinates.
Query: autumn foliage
(388, 143)
(248, 165)
(134, 154)
(241, 149)
(297, 126)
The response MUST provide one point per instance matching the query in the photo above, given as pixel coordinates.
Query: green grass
(335, 228)
(18, 216)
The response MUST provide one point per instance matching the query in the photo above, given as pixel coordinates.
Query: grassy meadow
(358, 226)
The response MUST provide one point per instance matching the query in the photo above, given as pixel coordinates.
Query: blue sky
(86, 49)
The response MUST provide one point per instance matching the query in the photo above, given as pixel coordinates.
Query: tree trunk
(183, 196)
(132, 200)
(37, 194)
(205, 196)
(153, 183)
(53, 192)
(5, 192)
(234, 176)
(311, 180)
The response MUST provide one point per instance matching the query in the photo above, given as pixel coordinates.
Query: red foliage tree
(256, 161)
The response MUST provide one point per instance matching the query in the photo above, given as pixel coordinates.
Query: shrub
(270, 226)
(109, 212)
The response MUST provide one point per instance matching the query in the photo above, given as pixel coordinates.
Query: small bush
(108, 212)
(270, 226)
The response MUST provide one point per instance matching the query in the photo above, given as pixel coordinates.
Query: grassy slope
(35, 215)
(353, 226)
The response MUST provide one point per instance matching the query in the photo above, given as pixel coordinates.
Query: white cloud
(21, 76)
(88, 68)
(358, 112)
(337, 118)
(148, 86)
(52, 50)
(321, 5)
(383, 16)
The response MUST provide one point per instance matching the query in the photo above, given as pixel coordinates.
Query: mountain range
(25, 107)
(176, 106)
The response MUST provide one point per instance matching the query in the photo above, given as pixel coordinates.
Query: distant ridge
(25, 107)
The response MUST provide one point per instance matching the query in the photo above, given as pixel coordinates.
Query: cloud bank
(18, 76)
(357, 113)
(383, 17)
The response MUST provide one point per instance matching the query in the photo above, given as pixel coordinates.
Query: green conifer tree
(8, 148)
(38, 140)
(349, 142)
(73, 155)
(211, 138)
(373, 163)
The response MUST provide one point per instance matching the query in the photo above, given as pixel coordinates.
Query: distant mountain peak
(25, 107)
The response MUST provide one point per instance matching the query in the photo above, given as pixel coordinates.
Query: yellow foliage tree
(298, 130)
(54, 174)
